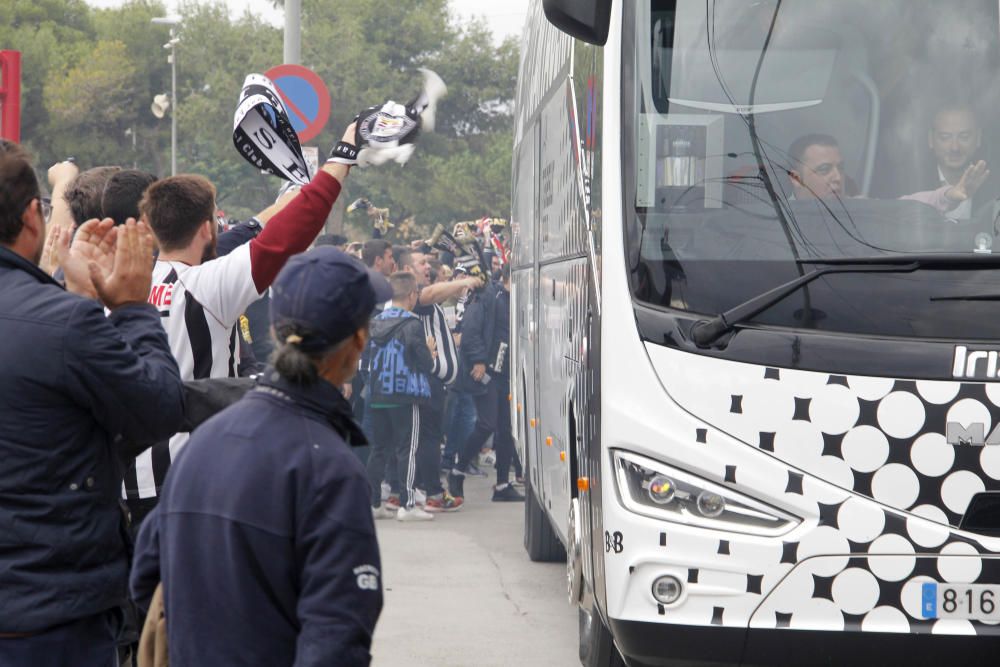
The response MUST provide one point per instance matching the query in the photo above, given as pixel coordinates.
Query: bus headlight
(660, 491)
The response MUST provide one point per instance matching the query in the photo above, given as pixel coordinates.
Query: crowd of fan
(137, 323)
(432, 424)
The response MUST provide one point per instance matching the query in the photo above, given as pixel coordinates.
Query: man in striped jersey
(445, 371)
(200, 297)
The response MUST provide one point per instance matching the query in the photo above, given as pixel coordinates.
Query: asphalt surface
(460, 591)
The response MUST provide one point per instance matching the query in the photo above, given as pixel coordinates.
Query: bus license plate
(973, 601)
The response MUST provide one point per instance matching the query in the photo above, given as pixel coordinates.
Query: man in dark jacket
(401, 359)
(485, 344)
(263, 538)
(73, 380)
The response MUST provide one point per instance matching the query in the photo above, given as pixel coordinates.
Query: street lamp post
(293, 32)
(172, 21)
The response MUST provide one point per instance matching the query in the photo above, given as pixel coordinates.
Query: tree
(89, 76)
(472, 143)
(213, 58)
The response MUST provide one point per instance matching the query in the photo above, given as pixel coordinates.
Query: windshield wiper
(707, 331)
(937, 260)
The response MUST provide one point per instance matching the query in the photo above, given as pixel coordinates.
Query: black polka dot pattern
(847, 441)
(794, 483)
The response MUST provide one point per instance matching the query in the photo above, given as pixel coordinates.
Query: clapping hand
(50, 253)
(112, 264)
(94, 243)
(131, 276)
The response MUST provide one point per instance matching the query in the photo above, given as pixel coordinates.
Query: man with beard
(201, 297)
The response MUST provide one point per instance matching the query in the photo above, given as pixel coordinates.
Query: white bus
(756, 326)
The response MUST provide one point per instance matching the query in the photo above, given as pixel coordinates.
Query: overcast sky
(505, 18)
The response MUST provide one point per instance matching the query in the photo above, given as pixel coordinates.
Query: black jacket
(73, 378)
(498, 360)
(263, 536)
(477, 347)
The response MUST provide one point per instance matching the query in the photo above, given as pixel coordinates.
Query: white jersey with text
(199, 308)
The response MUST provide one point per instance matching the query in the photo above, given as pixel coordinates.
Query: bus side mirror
(586, 20)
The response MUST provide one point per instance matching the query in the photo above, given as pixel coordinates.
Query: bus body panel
(562, 216)
(524, 201)
(551, 279)
(522, 381)
(545, 57)
(562, 299)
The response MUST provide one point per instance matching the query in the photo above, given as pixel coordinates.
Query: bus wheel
(574, 555)
(540, 539)
(597, 648)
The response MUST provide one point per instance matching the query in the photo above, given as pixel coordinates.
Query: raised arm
(265, 216)
(60, 176)
(298, 223)
(441, 292)
(60, 222)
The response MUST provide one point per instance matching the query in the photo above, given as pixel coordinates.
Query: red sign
(10, 95)
(305, 97)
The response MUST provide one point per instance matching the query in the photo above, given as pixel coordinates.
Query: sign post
(10, 95)
(305, 96)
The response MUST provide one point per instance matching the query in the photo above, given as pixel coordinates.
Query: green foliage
(94, 92)
(89, 76)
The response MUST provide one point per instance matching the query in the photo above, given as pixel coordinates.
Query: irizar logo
(975, 364)
(975, 434)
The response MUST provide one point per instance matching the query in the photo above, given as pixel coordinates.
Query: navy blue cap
(328, 294)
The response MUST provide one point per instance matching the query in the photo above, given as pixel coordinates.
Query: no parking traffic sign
(305, 96)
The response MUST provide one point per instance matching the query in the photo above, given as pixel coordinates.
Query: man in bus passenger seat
(955, 137)
(818, 173)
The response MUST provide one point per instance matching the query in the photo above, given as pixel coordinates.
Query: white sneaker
(386, 491)
(382, 512)
(419, 497)
(487, 458)
(413, 514)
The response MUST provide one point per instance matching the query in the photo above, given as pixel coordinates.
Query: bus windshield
(761, 134)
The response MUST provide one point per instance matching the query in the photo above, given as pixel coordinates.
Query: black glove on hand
(344, 152)
(385, 132)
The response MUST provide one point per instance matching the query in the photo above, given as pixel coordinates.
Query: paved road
(461, 592)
